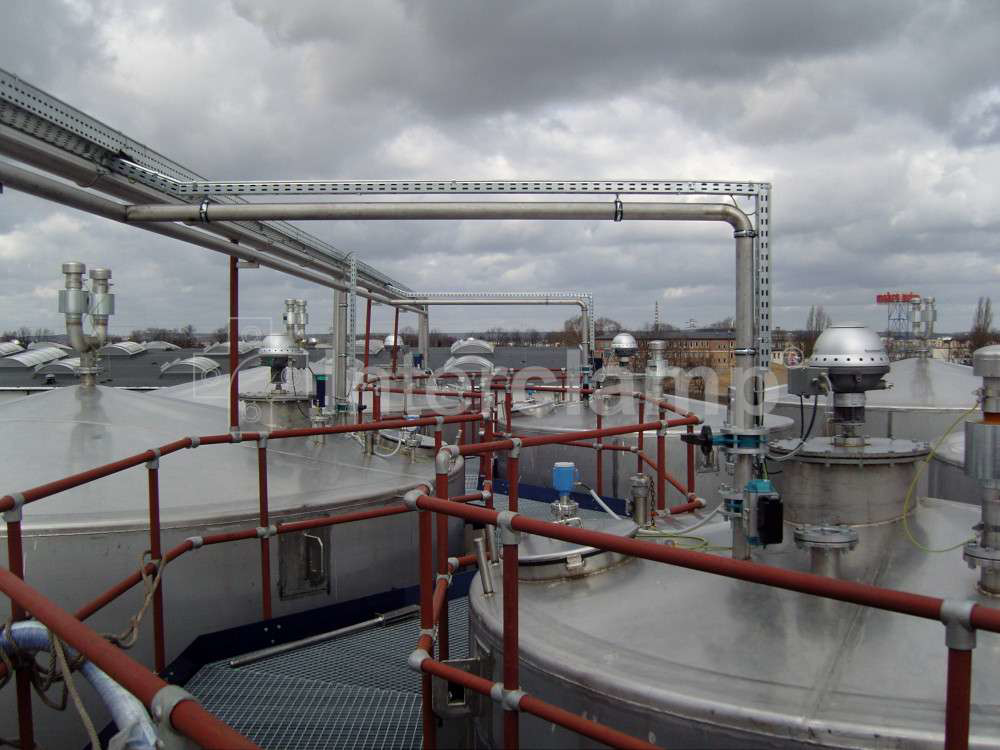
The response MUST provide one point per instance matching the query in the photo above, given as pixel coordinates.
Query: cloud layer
(878, 124)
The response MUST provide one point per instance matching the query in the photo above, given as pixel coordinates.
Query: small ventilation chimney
(98, 302)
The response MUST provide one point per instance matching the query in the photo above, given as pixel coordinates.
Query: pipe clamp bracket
(515, 451)
(508, 534)
(416, 659)
(509, 699)
(203, 211)
(619, 210)
(15, 514)
(160, 708)
(956, 614)
(745, 233)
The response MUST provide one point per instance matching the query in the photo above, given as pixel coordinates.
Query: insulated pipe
(128, 714)
(67, 195)
(189, 718)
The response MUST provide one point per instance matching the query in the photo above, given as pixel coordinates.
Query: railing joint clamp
(446, 577)
(956, 614)
(195, 441)
(196, 541)
(160, 708)
(509, 699)
(453, 564)
(416, 659)
(515, 451)
(15, 514)
(266, 532)
(411, 497)
(154, 463)
(508, 534)
(235, 436)
(438, 423)
(262, 439)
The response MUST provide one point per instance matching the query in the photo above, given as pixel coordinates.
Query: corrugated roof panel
(33, 357)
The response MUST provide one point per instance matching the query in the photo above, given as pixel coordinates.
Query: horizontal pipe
(317, 272)
(489, 301)
(566, 437)
(444, 211)
(917, 605)
(187, 716)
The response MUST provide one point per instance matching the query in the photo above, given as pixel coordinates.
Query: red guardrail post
(426, 564)
(377, 404)
(600, 458)
(15, 563)
(156, 557)
(639, 440)
(960, 638)
(661, 465)
(511, 719)
(265, 521)
(690, 461)
(441, 520)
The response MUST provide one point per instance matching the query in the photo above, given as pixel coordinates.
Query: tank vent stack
(76, 301)
(982, 462)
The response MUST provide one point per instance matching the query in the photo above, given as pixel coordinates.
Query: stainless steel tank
(82, 541)
(689, 659)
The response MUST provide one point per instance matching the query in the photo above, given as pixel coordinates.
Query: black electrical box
(770, 521)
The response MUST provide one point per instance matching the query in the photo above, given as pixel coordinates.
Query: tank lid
(849, 346)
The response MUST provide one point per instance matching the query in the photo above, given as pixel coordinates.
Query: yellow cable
(916, 478)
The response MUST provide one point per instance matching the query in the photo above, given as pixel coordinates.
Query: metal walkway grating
(352, 692)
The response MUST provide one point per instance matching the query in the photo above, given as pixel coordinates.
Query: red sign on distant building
(891, 297)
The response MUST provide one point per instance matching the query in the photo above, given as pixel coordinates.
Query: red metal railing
(195, 723)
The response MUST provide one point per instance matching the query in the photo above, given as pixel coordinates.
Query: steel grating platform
(353, 692)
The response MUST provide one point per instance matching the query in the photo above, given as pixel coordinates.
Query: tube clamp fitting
(262, 439)
(438, 423)
(509, 699)
(154, 463)
(745, 233)
(195, 441)
(160, 708)
(266, 532)
(203, 211)
(956, 614)
(446, 577)
(416, 659)
(508, 534)
(619, 210)
(411, 497)
(196, 541)
(442, 462)
(487, 495)
(235, 436)
(515, 451)
(15, 514)
(453, 565)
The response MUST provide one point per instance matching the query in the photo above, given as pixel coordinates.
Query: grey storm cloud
(877, 123)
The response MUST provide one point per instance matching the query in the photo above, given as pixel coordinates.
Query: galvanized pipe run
(67, 195)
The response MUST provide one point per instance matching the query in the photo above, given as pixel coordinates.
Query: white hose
(698, 525)
(597, 499)
(127, 711)
(394, 451)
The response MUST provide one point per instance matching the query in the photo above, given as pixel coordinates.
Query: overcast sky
(878, 124)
